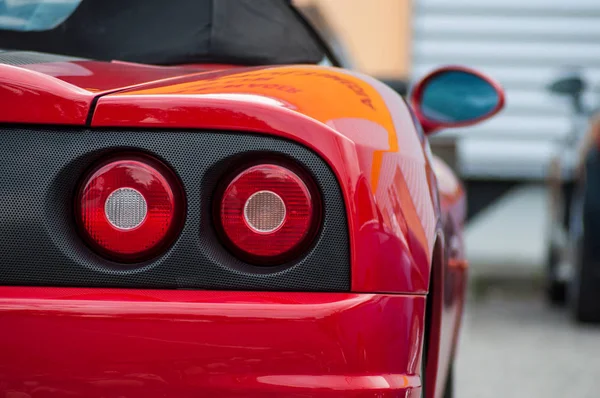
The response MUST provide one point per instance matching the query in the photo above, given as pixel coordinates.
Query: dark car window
(162, 32)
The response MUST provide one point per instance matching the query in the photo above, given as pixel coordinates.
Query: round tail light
(130, 209)
(268, 214)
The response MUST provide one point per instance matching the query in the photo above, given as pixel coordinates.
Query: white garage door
(524, 44)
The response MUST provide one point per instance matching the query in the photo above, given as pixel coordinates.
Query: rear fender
(358, 125)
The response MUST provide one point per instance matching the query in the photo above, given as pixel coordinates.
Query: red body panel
(31, 97)
(100, 343)
(91, 342)
(453, 277)
(62, 92)
(431, 126)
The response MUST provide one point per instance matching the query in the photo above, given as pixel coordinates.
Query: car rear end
(180, 262)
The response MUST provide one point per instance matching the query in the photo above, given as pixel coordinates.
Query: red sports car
(238, 222)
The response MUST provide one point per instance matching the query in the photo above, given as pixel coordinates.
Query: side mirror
(455, 96)
(573, 86)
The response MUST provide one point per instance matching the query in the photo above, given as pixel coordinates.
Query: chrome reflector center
(126, 208)
(264, 211)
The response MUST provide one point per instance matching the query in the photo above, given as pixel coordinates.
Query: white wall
(524, 44)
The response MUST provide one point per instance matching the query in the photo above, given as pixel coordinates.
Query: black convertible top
(169, 32)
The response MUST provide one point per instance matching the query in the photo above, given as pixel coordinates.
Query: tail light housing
(130, 209)
(268, 214)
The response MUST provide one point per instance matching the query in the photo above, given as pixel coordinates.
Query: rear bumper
(77, 342)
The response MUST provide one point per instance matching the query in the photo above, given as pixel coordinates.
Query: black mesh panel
(40, 244)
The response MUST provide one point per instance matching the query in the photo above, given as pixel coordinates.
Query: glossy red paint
(31, 97)
(431, 126)
(135, 343)
(453, 208)
(62, 92)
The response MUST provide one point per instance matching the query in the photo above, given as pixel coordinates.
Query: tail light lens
(268, 213)
(130, 209)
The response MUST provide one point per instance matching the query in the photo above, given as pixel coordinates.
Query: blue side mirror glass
(458, 97)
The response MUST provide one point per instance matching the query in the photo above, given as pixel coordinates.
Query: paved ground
(512, 345)
(510, 237)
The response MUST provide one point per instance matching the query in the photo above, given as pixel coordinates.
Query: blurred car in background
(216, 214)
(573, 269)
